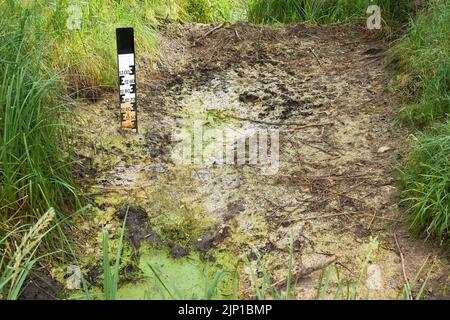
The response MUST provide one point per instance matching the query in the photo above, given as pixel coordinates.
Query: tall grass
(81, 34)
(207, 11)
(35, 171)
(44, 50)
(82, 38)
(424, 62)
(333, 286)
(111, 277)
(46, 47)
(17, 261)
(423, 56)
(426, 183)
(267, 288)
(321, 11)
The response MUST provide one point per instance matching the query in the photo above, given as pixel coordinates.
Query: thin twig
(337, 215)
(237, 34)
(381, 218)
(372, 220)
(402, 258)
(306, 272)
(316, 217)
(307, 143)
(315, 55)
(221, 25)
(331, 177)
(344, 195)
(298, 125)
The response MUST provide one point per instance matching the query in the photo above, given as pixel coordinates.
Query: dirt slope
(326, 92)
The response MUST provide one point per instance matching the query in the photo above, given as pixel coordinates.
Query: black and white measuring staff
(127, 78)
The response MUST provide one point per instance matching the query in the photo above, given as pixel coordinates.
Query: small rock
(384, 149)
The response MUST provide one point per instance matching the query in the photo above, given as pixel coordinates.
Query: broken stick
(402, 259)
(315, 55)
(306, 272)
(221, 25)
(293, 124)
(237, 34)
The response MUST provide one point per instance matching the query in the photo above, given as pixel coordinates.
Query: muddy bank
(325, 92)
(41, 286)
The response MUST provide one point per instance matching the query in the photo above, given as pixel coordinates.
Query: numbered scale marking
(127, 78)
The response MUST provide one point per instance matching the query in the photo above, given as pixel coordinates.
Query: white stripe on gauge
(127, 83)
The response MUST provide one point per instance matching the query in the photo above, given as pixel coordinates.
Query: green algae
(158, 276)
(164, 277)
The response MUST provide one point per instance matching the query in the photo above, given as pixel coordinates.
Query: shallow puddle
(166, 278)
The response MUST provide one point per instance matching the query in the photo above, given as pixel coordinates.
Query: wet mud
(325, 90)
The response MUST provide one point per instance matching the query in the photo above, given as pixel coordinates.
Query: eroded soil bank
(334, 194)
